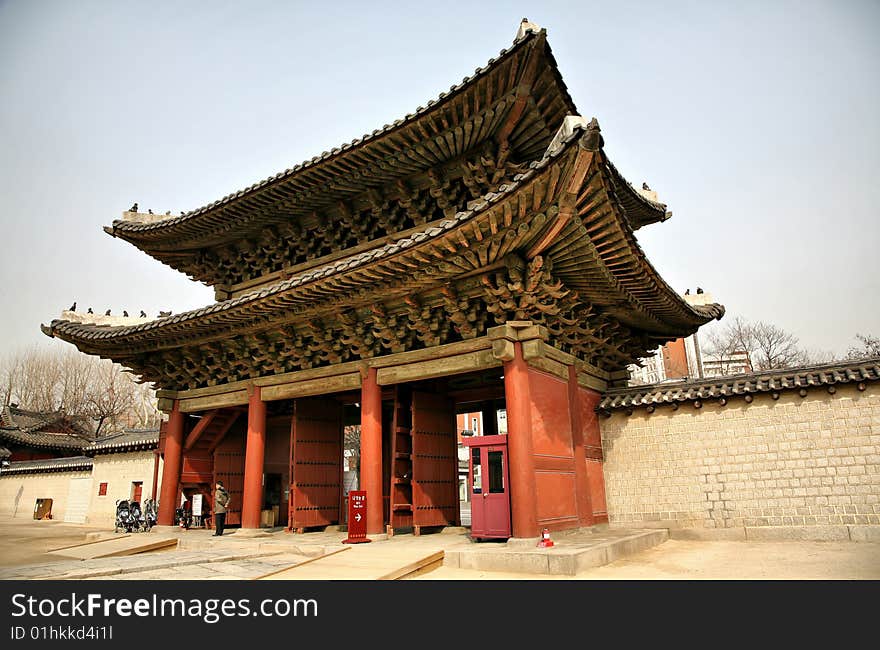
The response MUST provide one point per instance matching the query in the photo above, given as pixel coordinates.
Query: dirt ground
(24, 541)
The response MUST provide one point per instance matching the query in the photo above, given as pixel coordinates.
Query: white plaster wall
(19, 492)
(119, 471)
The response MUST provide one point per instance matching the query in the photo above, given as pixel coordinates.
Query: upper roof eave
(132, 231)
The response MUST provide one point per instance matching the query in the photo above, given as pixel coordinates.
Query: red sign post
(357, 518)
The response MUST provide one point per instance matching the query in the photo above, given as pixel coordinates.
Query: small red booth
(489, 487)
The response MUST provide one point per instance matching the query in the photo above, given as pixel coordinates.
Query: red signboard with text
(357, 517)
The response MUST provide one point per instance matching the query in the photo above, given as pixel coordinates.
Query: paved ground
(24, 545)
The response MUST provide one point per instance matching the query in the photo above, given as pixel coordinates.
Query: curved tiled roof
(640, 210)
(227, 219)
(84, 331)
(774, 382)
(34, 429)
(129, 439)
(70, 464)
(97, 338)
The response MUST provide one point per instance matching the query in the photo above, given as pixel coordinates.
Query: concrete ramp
(363, 562)
(116, 546)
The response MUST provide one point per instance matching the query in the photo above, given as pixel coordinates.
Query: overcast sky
(757, 122)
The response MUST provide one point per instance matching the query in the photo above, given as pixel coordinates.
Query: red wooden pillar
(255, 452)
(173, 462)
(371, 451)
(155, 475)
(581, 484)
(523, 501)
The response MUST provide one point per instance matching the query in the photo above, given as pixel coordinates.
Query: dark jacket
(221, 500)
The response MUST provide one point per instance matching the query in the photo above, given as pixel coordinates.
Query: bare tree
(758, 346)
(81, 385)
(773, 347)
(729, 349)
(869, 346)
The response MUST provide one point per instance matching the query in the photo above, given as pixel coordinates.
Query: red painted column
(581, 481)
(371, 451)
(523, 501)
(255, 452)
(155, 475)
(173, 463)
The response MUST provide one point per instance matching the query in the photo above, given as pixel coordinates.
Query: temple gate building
(478, 254)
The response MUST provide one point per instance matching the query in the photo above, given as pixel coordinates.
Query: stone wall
(795, 467)
(119, 471)
(19, 492)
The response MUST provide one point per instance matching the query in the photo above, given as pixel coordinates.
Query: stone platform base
(572, 552)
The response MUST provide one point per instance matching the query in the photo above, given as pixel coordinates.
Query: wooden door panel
(316, 463)
(435, 460)
(229, 468)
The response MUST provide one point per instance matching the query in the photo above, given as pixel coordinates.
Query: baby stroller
(137, 517)
(123, 517)
(150, 514)
(181, 518)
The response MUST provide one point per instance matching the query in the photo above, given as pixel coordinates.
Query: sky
(757, 122)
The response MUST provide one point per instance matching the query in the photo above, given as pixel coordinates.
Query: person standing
(221, 500)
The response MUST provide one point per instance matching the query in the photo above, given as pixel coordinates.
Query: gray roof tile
(841, 372)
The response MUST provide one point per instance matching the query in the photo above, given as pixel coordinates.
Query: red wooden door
(137, 490)
(488, 486)
(316, 463)
(229, 468)
(434, 461)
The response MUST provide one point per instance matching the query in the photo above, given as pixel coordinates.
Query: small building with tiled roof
(31, 435)
(83, 486)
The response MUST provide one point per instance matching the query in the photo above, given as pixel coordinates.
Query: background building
(684, 358)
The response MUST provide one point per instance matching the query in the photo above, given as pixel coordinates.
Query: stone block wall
(805, 467)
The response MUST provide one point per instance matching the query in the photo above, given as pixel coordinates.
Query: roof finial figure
(133, 208)
(150, 211)
(107, 313)
(699, 290)
(125, 313)
(90, 311)
(687, 292)
(72, 307)
(143, 314)
(167, 213)
(162, 314)
(525, 26)
(645, 187)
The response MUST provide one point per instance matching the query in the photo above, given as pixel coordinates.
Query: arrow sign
(357, 522)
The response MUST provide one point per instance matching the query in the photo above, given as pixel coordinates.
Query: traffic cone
(545, 542)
